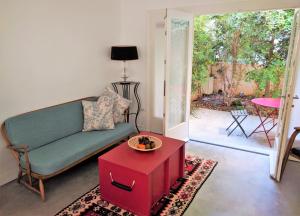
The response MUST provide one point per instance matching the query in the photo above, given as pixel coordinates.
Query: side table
(126, 90)
(136, 181)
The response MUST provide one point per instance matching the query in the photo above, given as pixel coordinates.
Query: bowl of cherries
(144, 143)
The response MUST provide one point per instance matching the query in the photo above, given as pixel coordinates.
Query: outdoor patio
(209, 126)
(237, 67)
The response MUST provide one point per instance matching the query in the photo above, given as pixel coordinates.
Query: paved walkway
(210, 126)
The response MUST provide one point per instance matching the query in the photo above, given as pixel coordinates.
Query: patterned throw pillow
(120, 104)
(98, 114)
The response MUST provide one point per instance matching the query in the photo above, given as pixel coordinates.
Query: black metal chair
(238, 117)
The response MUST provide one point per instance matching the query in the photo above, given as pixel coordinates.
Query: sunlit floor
(210, 126)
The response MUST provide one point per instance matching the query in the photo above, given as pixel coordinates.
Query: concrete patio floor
(210, 126)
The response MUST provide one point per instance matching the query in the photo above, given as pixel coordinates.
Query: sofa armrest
(19, 149)
(23, 149)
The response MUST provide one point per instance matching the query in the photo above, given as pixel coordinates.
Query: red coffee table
(136, 180)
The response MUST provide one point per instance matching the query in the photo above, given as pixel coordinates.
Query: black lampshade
(124, 53)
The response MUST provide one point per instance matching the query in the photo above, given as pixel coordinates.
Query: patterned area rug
(181, 195)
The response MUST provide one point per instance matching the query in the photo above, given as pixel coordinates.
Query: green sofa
(49, 141)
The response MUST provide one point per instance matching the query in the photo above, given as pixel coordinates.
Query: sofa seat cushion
(56, 155)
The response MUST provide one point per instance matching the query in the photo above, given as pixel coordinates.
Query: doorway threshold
(231, 147)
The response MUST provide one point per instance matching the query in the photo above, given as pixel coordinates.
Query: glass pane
(178, 74)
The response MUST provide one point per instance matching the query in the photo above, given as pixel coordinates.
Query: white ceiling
(225, 6)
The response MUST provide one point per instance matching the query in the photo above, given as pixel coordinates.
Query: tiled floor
(239, 185)
(210, 126)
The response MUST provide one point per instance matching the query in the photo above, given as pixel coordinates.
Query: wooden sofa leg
(42, 190)
(20, 175)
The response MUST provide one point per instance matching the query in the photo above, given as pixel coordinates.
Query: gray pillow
(120, 104)
(98, 114)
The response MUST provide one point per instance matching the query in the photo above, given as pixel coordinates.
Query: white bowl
(134, 141)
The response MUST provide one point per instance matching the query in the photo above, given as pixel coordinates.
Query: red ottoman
(136, 180)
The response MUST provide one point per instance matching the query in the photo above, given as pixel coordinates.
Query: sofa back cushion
(46, 125)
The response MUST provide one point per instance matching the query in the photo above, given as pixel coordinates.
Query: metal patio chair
(238, 117)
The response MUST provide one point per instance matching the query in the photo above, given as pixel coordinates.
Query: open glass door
(281, 138)
(178, 73)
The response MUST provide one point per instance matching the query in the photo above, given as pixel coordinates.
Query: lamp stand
(124, 76)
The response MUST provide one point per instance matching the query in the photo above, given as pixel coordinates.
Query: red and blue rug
(181, 195)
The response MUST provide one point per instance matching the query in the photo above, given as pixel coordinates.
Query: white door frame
(281, 139)
(155, 22)
(180, 131)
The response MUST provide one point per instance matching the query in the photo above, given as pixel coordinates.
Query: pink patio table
(266, 102)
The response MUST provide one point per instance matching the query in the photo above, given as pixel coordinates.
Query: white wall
(134, 28)
(53, 51)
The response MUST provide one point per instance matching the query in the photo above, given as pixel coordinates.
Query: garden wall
(221, 78)
(222, 74)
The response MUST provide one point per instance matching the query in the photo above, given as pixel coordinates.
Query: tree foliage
(203, 53)
(257, 38)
